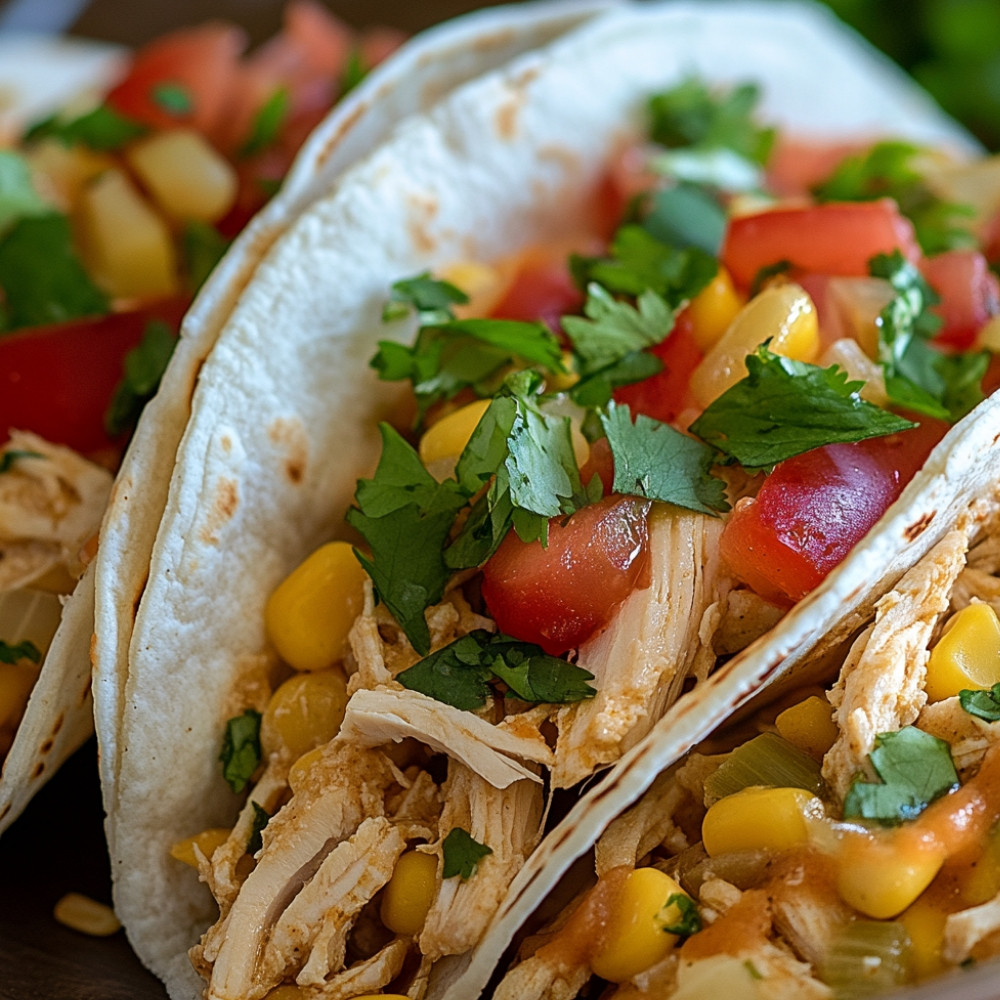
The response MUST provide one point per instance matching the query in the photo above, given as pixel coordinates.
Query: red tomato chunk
(815, 507)
(561, 595)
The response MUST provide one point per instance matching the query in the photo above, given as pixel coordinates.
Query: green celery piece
(765, 760)
(867, 958)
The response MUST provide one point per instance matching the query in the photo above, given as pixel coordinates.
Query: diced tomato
(600, 462)
(667, 394)
(970, 295)
(203, 61)
(542, 289)
(58, 380)
(834, 238)
(795, 167)
(815, 507)
(561, 595)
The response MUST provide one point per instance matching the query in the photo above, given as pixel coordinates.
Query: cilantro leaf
(614, 329)
(261, 817)
(691, 114)
(203, 246)
(891, 169)
(41, 276)
(102, 129)
(915, 767)
(12, 455)
(467, 354)
(18, 197)
(405, 515)
(430, 298)
(354, 71)
(461, 853)
(456, 674)
(687, 216)
(144, 366)
(14, 653)
(983, 704)
(535, 676)
(267, 123)
(653, 460)
(785, 407)
(241, 753)
(174, 98)
(690, 919)
(597, 388)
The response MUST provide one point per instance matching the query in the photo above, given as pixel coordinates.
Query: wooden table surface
(57, 845)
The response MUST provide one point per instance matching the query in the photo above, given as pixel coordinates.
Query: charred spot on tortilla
(507, 115)
(290, 435)
(222, 510)
(424, 209)
(38, 770)
(87, 688)
(58, 724)
(46, 747)
(919, 526)
(345, 126)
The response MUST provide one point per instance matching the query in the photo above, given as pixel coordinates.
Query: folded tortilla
(59, 716)
(282, 420)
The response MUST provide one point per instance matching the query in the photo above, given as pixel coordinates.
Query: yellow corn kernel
(980, 882)
(310, 613)
(967, 655)
(408, 895)
(924, 924)
(16, 682)
(759, 818)
(206, 841)
(445, 440)
(808, 725)
(126, 244)
(186, 177)
(988, 338)
(86, 915)
(713, 309)
(636, 939)
(304, 713)
(564, 381)
(881, 875)
(782, 313)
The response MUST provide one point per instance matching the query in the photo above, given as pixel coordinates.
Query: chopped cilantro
(458, 674)
(143, 366)
(891, 170)
(355, 70)
(18, 197)
(471, 354)
(690, 919)
(14, 653)
(174, 98)
(691, 114)
(267, 123)
(431, 299)
(405, 515)
(983, 704)
(915, 767)
(687, 216)
(41, 276)
(12, 455)
(102, 129)
(461, 853)
(241, 753)
(653, 460)
(261, 817)
(785, 407)
(203, 247)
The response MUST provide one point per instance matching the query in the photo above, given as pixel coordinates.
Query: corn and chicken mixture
(589, 511)
(844, 843)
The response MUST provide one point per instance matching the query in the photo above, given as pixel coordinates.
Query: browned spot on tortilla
(226, 444)
(569, 161)
(58, 724)
(506, 118)
(330, 146)
(290, 436)
(424, 210)
(222, 509)
(85, 694)
(39, 768)
(48, 745)
(5, 810)
(919, 526)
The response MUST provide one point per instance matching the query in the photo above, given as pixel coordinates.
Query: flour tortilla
(282, 419)
(38, 75)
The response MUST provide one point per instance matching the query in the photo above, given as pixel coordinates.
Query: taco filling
(841, 842)
(614, 472)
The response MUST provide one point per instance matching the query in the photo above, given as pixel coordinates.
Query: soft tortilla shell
(283, 415)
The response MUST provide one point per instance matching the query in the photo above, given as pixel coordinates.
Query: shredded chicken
(386, 714)
(542, 980)
(969, 736)
(509, 822)
(51, 504)
(370, 975)
(881, 685)
(641, 660)
(746, 616)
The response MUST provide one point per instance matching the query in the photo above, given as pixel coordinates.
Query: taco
(839, 837)
(501, 175)
(53, 500)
